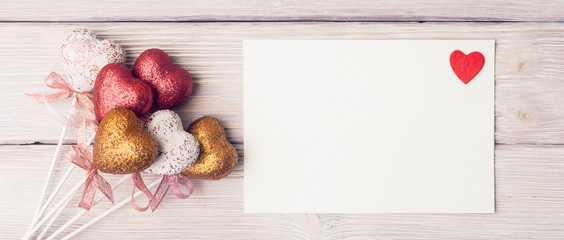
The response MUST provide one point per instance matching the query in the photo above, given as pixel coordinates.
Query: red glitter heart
(116, 87)
(172, 84)
(466, 67)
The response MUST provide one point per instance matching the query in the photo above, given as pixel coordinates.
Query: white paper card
(363, 126)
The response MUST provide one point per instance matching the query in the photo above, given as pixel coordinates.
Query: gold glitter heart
(218, 157)
(121, 146)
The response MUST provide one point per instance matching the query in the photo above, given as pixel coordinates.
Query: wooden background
(205, 37)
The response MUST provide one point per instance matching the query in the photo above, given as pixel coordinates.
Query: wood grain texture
(529, 119)
(529, 200)
(283, 10)
(529, 73)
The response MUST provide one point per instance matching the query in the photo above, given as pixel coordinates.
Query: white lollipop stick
(50, 173)
(55, 191)
(117, 206)
(70, 194)
(61, 183)
(62, 201)
(78, 215)
(53, 219)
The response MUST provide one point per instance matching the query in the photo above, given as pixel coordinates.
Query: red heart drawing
(466, 67)
(116, 87)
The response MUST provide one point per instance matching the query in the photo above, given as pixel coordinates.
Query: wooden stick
(117, 206)
(82, 212)
(50, 173)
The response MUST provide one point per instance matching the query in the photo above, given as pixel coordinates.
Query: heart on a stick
(466, 67)
(121, 146)
(84, 55)
(178, 149)
(172, 84)
(117, 88)
(218, 158)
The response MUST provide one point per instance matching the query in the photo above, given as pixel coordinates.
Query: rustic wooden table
(205, 37)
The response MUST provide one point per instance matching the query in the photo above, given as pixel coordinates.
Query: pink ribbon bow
(81, 156)
(83, 109)
(55, 81)
(138, 183)
(171, 181)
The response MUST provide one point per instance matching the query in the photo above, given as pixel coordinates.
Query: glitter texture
(178, 149)
(84, 55)
(117, 88)
(172, 84)
(121, 146)
(218, 157)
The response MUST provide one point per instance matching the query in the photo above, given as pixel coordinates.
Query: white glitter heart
(178, 149)
(84, 55)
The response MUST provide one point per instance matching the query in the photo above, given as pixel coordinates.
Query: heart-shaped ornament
(178, 149)
(218, 158)
(172, 84)
(121, 146)
(84, 55)
(466, 67)
(117, 88)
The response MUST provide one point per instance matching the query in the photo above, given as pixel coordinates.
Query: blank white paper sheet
(367, 126)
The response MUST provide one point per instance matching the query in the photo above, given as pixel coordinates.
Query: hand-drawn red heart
(172, 84)
(466, 67)
(116, 87)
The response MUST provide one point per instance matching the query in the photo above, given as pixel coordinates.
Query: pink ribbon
(81, 156)
(138, 183)
(171, 181)
(55, 81)
(83, 109)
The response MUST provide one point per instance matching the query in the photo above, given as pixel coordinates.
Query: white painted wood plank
(529, 199)
(529, 73)
(276, 10)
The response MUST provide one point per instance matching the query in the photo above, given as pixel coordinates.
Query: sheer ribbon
(82, 157)
(82, 110)
(171, 181)
(138, 183)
